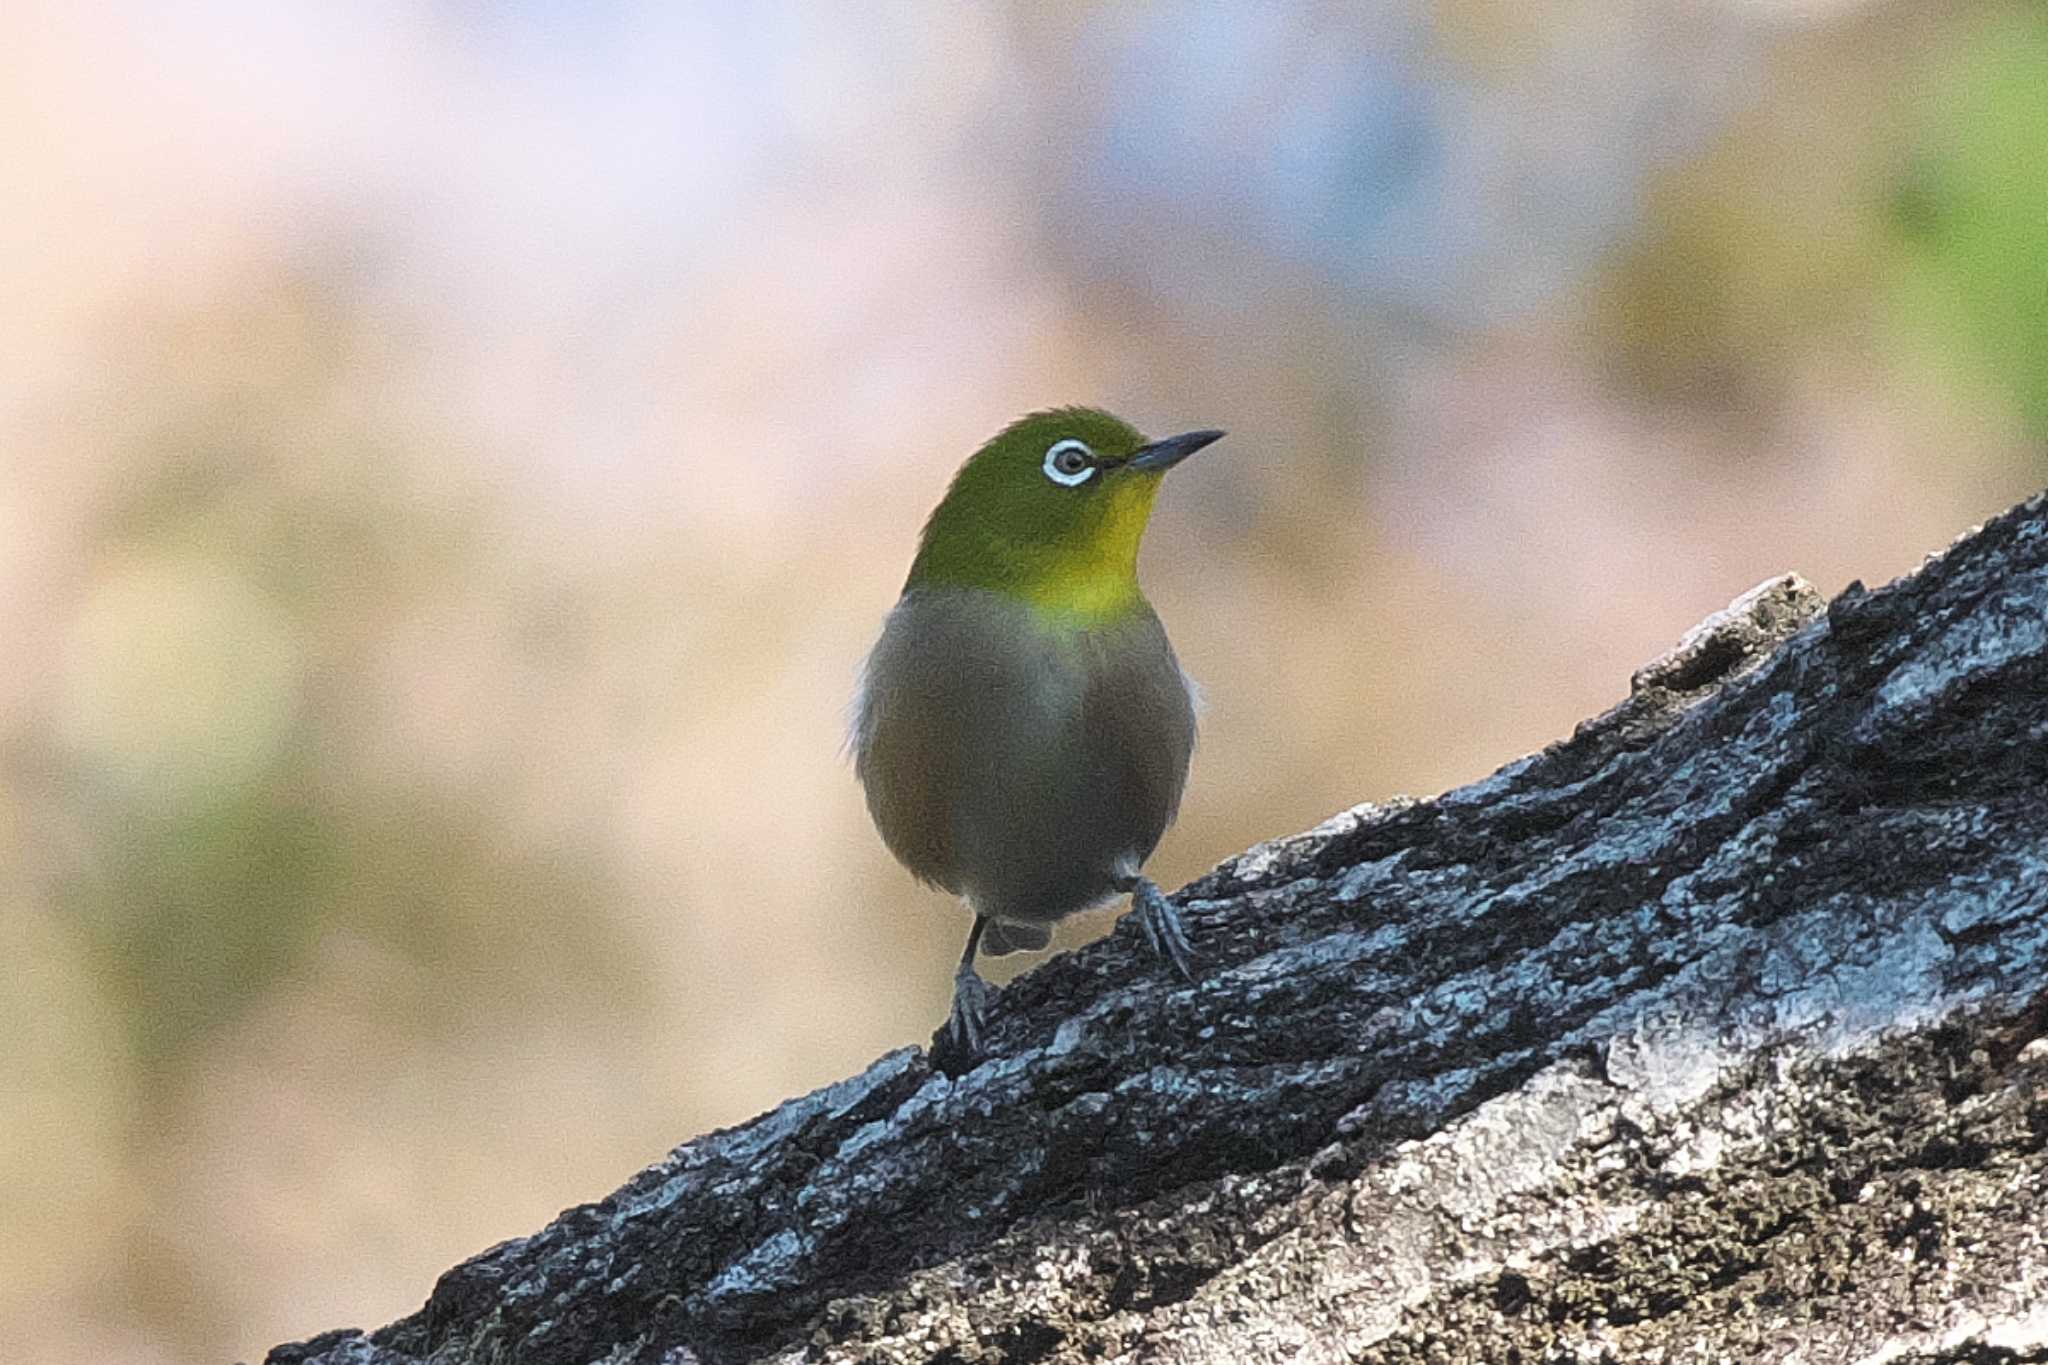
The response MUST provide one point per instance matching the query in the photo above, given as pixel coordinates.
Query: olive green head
(1051, 511)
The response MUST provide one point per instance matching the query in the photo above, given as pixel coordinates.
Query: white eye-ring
(1069, 462)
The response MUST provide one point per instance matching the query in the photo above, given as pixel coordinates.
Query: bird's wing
(910, 738)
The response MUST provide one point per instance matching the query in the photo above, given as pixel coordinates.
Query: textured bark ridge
(1710, 1033)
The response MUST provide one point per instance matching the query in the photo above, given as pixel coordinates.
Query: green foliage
(193, 918)
(215, 767)
(1971, 282)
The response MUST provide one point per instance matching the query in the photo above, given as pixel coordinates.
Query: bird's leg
(971, 996)
(1161, 923)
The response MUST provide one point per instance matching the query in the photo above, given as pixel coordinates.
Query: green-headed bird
(1022, 728)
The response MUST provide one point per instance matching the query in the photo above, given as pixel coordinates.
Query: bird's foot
(1162, 926)
(972, 997)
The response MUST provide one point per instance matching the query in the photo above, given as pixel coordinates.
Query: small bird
(1023, 729)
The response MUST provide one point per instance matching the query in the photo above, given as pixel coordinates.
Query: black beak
(1164, 455)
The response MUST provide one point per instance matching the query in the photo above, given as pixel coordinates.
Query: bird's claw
(972, 997)
(1163, 929)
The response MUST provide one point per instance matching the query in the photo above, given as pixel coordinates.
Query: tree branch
(1710, 1031)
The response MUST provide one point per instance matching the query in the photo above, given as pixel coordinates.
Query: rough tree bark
(1712, 1032)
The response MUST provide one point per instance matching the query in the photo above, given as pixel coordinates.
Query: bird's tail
(1009, 936)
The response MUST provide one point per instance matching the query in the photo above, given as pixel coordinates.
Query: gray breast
(1019, 764)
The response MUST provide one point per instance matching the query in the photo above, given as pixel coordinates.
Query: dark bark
(1708, 1033)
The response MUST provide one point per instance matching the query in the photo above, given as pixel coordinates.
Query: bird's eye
(1069, 462)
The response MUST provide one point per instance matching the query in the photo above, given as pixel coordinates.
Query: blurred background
(454, 456)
